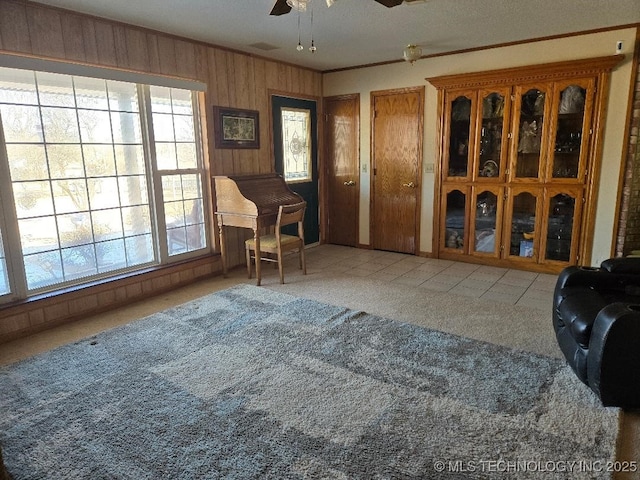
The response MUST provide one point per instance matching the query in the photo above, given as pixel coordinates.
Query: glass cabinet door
(492, 134)
(486, 221)
(530, 110)
(460, 148)
(562, 208)
(573, 105)
(521, 235)
(455, 219)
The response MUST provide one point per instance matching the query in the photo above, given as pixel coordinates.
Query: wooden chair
(279, 243)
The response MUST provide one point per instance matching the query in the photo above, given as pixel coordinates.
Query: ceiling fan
(284, 6)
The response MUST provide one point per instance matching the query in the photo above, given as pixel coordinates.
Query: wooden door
(397, 132)
(342, 129)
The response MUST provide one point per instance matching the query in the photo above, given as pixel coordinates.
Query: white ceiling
(360, 32)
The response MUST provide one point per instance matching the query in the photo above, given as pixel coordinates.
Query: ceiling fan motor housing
(281, 7)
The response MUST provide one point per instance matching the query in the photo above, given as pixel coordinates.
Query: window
(177, 163)
(296, 139)
(97, 169)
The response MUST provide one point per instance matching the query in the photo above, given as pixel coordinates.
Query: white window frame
(10, 235)
(8, 218)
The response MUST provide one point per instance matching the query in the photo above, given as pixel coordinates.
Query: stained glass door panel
(296, 144)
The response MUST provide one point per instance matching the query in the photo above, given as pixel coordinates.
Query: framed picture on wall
(236, 128)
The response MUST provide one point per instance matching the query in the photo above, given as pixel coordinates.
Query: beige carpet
(523, 328)
(252, 383)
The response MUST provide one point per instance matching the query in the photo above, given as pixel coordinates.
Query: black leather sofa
(596, 318)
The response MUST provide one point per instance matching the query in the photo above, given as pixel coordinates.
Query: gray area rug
(250, 383)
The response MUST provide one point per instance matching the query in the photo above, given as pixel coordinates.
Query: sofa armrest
(618, 286)
(613, 363)
(622, 265)
(585, 277)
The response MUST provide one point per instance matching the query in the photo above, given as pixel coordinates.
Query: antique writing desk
(249, 201)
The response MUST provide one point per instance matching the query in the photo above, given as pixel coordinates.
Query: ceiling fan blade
(389, 3)
(280, 8)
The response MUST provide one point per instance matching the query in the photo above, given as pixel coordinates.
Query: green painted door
(295, 138)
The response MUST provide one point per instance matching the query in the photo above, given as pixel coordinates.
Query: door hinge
(375, 171)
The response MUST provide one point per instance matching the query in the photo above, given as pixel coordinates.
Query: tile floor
(511, 286)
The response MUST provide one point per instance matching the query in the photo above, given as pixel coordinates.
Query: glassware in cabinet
(530, 111)
(455, 218)
(572, 106)
(563, 210)
(487, 219)
(522, 226)
(461, 109)
(492, 134)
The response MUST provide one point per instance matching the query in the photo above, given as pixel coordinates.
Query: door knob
(350, 183)
(409, 185)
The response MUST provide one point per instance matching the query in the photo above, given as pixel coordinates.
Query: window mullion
(202, 166)
(154, 176)
(9, 227)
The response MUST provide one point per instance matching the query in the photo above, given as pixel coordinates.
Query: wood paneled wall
(233, 79)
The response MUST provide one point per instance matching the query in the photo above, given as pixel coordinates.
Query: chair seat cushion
(269, 241)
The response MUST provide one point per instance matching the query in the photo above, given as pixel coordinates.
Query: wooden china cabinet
(519, 163)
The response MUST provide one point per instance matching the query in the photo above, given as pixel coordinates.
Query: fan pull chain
(299, 47)
(312, 48)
